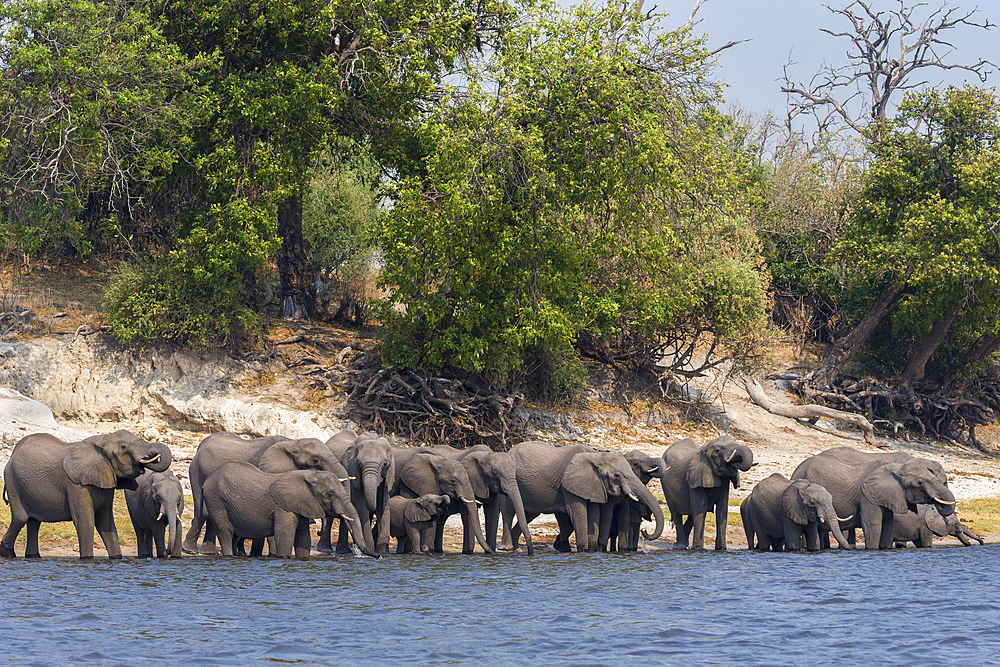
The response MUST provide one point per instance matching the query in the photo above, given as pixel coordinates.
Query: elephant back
(765, 503)
(677, 458)
(842, 479)
(219, 449)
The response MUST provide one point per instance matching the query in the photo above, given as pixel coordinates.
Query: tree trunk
(298, 295)
(757, 395)
(847, 347)
(914, 371)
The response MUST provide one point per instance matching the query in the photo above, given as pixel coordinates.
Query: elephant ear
(792, 505)
(420, 473)
(701, 473)
(351, 465)
(882, 487)
(414, 512)
(293, 492)
(477, 477)
(277, 459)
(936, 522)
(86, 464)
(582, 479)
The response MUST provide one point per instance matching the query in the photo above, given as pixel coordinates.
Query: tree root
(811, 412)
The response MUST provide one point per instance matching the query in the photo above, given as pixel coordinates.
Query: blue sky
(783, 30)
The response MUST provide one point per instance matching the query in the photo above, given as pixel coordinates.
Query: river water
(905, 606)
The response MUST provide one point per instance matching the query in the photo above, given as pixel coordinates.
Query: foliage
(926, 218)
(96, 106)
(584, 185)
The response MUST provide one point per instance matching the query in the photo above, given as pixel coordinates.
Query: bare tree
(889, 51)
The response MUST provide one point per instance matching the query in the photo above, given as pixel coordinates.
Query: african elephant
(47, 479)
(412, 520)
(241, 500)
(873, 491)
(419, 471)
(155, 507)
(779, 511)
(494, 481)
(921, 526)
(628, 514)
(369, 462)
(580, 486)
(697, 482)
(273, 453)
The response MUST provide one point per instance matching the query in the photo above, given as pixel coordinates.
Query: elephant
(779, 511)
(413, 518)
(47, 479)
(580, 486)
(419, 471)
(697, 481)
(628, 515)
(241, 500)
(273, 453)
(155, 507)
(873, 488)
(921, 526)
(494, 481)
(369, 462)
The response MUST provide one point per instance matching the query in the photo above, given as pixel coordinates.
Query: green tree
(584, 193)
(923, 236)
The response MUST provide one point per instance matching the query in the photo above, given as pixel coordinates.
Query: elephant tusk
(942, 502)
(651, 470)
(634, 497)
(754, 464)
(159, 516)
(849, 517)
(732, 455)
(344, 479)
(151, 459)
(346, 518)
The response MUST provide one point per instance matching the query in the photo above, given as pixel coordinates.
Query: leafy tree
(584, 194)
(923, 239)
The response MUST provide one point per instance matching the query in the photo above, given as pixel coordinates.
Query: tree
(888, 50)
(578, 198)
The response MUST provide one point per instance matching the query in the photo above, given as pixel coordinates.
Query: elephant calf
(155, 507)
(779, 511)
(412, 519)
(921, 526)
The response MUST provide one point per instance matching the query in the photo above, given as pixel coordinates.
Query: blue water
(931, 605)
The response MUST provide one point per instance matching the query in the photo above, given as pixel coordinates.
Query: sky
(789, 30)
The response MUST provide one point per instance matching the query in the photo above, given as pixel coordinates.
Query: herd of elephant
(270, 491)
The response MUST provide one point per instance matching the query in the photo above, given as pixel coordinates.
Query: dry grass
(982, 514)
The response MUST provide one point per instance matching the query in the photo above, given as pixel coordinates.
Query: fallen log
(757, 395)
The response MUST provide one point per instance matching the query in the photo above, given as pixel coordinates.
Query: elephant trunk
(357, 534)
(370, 479)
(963, 531)
(156, 457)
(944, 500)
(477, 527)
(174, 534)
(512, 491)
(829, 515)
(648, 499)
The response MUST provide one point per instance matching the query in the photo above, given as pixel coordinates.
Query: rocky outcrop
(91, 380)
(21, 416)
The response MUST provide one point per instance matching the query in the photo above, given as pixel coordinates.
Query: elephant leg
(10, 537)
(81, 509)
(606, 512)
(143, 542)
(272, 544)
(413, 534)
(468, 537)
(681, 530)
(208, 547)
(105, 524)
(593, 527)
(507, 511)
(812, 537)
(888, 526)
(191, 537)
(578, 516)
(325, 543)
(871, 524)
(516, 530)
(156, 533)
(342, 533)
(303, 540)
(699, 508)
(562, 544)
(31, 548)
(439, 533)
(491, 512)
(793, 534)
(256, 548)
(382, 531)
(852, 538)
(721, 510)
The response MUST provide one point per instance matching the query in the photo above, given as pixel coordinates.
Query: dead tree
(889, 52)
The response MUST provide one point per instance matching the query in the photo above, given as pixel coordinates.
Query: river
(904, 606)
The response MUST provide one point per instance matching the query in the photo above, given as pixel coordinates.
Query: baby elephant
(411, 520)
(778, 512)
(921, 526)
(155, 507)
